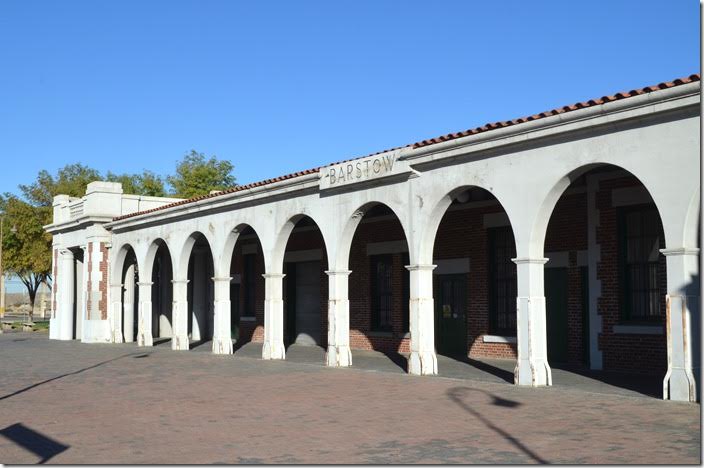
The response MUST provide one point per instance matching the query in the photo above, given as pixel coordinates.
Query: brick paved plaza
(67, 402)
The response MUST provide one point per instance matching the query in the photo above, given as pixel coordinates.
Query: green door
(556, 313)
(450, 313)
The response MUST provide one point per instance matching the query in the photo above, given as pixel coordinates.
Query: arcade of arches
(582, 258)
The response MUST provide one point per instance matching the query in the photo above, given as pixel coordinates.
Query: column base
(222, 345)
(338, 356)
(180, 343)
(117, 337)
(423, 363)
(533, 373)
(272, 350)
(145, 339)
(679, 385)
(53, 329)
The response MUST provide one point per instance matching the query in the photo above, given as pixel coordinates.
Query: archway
(606, 282)
(379, 286)
(130, 296)
(474, 286)
(162, 293)
(305, 286)
(200, 291)
(246, 287)
(80, 311)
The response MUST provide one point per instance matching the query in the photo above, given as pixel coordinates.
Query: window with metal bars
(641, 239)
(382, 292)
(502, 281)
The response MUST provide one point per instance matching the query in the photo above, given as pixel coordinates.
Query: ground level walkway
(68, 402)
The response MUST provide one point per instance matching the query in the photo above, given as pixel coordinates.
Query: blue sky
(277, 87)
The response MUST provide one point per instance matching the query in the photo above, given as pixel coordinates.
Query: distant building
(569, 236)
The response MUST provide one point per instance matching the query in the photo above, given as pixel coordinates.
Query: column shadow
(39, 444)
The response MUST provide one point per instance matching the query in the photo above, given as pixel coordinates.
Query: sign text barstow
(358, 170)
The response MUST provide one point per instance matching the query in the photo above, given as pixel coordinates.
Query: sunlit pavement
(67, 402)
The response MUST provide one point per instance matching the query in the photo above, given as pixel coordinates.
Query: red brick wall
(638, 353)
(462, 234)
(361, 335)
(251, 330)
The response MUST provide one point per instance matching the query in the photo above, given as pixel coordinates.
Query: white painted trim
(390, 247)
(492, 220)
(627, 196)
(638, 329)
(452, 266)
(557, 259)
(303, 255)
(498, 339)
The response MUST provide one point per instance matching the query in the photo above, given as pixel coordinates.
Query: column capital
(680, 251)
(533, 260)
(427, 267)
(338, 272)
(65, 252)
(145, 283)
(273, 275)
(185, 281)
(224, 278)
(116, 285)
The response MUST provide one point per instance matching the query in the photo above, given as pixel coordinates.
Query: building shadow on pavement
(37, 443)
(22, 390)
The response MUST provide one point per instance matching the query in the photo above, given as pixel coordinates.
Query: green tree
(198, 175)
(146, 183)
(26, 249)
(70, 180)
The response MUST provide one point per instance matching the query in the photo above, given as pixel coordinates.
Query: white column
(273, 317)
(65, 300)
(338, 354)
(128, 305)
(222, 335)
(144, 329)
(116, 311)
(532, 366)
(179, 315)
(423, 360)
(683, 346)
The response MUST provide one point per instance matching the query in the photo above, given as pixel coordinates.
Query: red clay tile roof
(449, 136)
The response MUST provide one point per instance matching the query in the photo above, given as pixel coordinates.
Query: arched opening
(162, 294)
(130, 297)
(305, 289)
(379, 285)
(475, 284)
(80, 310)
(606, 282)
(247, 288)
(200, 292)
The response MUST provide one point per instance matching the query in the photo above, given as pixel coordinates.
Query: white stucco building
(572, 235)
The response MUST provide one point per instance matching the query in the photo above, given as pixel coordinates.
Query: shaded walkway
(484, 370)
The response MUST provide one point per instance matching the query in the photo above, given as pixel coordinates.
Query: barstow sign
(363, 170)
